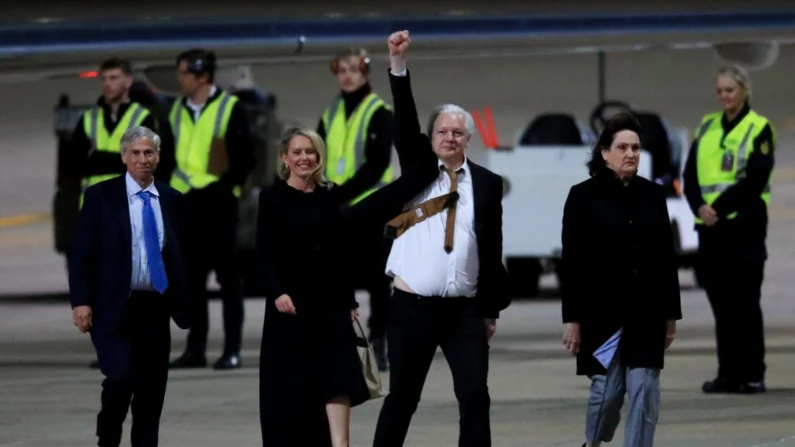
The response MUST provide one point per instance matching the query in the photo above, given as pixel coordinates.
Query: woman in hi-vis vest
(727, 184)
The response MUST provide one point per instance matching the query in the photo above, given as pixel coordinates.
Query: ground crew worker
(357, 129)
(212, 143)
(727, 184)
(96, 140)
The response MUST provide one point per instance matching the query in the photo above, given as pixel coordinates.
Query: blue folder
(606, 352)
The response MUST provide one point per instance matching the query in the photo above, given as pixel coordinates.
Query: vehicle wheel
(524, 275)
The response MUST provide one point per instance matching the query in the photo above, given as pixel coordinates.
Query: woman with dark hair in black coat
(621, 288)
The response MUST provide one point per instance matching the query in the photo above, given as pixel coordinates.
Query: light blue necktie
(153, 256)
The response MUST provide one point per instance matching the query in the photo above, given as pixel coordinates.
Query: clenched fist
(398, 43)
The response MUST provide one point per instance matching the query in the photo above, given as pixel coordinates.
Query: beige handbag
(369, 366)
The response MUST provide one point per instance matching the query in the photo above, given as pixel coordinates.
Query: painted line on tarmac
(21, 220)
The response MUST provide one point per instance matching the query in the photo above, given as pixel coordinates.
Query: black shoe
(94, 364)
(719, 385)
(751, 388)
(379, 348)
(189, 359)
(228, 361)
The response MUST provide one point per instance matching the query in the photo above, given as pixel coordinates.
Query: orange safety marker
(487, 130)
(492, 128)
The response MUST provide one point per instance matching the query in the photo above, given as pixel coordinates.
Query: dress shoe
(751, 388)
(189, 359)
(228, 361)
(721, 385)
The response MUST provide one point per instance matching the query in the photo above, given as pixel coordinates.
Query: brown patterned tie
(449, 229)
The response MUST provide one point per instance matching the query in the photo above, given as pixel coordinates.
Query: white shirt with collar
(197, 108)
(141, 278)
(418, 257)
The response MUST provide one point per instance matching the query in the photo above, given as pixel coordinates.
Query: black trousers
(417, 326)
(371, 277)
(210, 219)
(143, 347)
(733, 283)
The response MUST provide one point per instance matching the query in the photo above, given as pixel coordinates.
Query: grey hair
(136, 133)
(738, 74)
(452, 109)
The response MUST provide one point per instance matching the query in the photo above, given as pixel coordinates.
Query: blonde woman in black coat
(621, 275)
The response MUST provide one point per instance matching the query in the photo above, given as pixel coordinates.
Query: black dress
(303, 243)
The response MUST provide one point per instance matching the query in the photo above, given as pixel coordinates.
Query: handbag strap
(361, 330)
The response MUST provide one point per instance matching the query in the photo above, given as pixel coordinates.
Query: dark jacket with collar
(619, 269)
(100, 263)
(415, 152)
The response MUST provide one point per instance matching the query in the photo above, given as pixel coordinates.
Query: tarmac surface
(50, 398)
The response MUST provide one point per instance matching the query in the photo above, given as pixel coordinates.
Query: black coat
(619, 269)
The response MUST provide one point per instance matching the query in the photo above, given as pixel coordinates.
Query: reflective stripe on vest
(193, 141)
(346, 139)
(712, 148)
(97, 133)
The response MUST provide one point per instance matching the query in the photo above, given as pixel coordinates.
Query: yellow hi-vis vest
(345, 141)
(718, 167)
(193, 140)
(94, 127)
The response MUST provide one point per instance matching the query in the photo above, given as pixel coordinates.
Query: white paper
(606, 352)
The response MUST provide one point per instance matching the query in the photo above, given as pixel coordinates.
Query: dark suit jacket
(619, 269)
(419, 168)
(100, 263)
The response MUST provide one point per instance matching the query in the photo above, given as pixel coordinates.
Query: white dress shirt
(196, 109)
(141, 278)
(418, 257)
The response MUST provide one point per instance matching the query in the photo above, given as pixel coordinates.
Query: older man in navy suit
(126, 283)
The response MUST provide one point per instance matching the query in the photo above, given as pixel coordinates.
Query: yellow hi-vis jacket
(345, 141)
(720, 166)
(193, 141)
(101, 140)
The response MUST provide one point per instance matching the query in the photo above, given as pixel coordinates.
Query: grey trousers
(642, 387)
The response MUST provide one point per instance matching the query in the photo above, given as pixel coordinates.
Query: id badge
(341, 167)
(727, 161)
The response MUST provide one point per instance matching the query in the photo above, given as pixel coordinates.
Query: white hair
(136, 133)
(451, 109)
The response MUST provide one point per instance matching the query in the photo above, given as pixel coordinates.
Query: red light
(89, 74)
